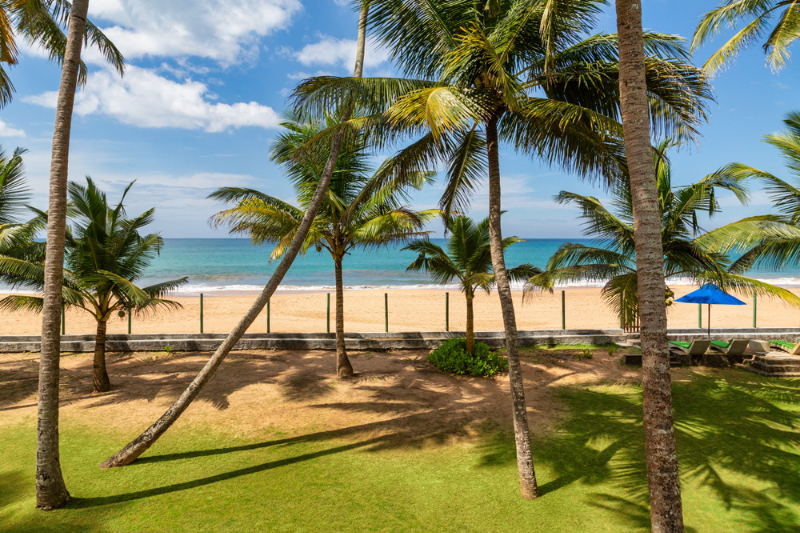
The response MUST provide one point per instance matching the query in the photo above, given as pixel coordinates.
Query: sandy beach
(408, 310)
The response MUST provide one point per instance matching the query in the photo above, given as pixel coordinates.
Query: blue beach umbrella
(710, 294)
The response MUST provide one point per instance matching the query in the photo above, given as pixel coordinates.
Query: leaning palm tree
(140, 444)
(106, 255)
(771, 241)
(636, 110)
(468, 259)
(686, 251)
(347, 218)
(39, 23)
(523, 73)
(779, 20)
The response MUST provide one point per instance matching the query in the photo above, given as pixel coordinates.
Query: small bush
(452, 356)
(585, 354)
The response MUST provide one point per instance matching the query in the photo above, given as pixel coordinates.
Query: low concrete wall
(373, 341)
(306, 341)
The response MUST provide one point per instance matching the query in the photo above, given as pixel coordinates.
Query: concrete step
(776, 365)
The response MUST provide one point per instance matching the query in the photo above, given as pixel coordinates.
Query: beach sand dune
(408, 310)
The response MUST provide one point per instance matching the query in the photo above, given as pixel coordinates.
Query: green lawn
(738, 443)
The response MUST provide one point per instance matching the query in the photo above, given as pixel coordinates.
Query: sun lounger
(694, 348)
(786, 346)
(732, 347)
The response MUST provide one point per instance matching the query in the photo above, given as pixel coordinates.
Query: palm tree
(106, 255)
(760, 15)
(688, 251)
(14, 192)
(140, 444)
(518, 72)
(346, 219)
(468, 259)
(51, 491)
(771, 241)
(39, 23)
(16, 236)
(666, 507)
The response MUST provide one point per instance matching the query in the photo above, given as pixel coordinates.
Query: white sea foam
(233, 288)
(211, 289)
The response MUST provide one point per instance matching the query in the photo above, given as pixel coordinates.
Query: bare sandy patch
(266, 393)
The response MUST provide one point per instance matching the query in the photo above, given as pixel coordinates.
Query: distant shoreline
(251, 290)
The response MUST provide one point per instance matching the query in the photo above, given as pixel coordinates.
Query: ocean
(235, 265)
(223, 266)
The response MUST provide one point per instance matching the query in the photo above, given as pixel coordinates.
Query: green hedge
(452, 356)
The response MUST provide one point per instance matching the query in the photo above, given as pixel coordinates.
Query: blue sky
(207, 81)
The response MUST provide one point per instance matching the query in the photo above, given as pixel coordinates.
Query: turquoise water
(223, 265)
(235, 265)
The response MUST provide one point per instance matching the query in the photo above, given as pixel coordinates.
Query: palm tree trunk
(343, 367)
(141, 443)
(51, 491)
(527, 475)
(666, 511)
(470, 326)
(100, 377)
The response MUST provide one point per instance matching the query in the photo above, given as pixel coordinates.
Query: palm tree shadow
(309, 438)
(133, 378)
(729, 422)
(18, 381)
(11, 484)
(83, 503)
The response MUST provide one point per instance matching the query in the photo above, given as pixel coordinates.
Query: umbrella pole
(709, 321)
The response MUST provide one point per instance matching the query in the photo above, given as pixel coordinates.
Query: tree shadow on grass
(16, 486)
(83, 503)
(11, 484)
(352, 431)
(734, 431)
(741, 423)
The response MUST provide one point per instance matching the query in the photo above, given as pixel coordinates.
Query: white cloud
(517, 195)
(144, 99)
(199, 180)
(8, 131)
(340, 52)
(225, 31)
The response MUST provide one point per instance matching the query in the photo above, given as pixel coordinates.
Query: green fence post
(268, 316)
(447, 311)
(386, 310)
(63, 321)
(755, 309)
(201, 312)
(563, 309)
(329, 312)
(129, 321)
(700, 316)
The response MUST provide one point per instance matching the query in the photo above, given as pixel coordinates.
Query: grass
(738, 443)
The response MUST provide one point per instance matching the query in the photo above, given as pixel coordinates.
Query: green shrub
(452, 356)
